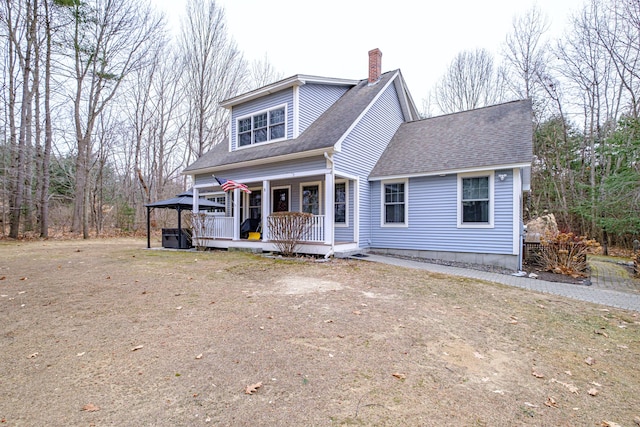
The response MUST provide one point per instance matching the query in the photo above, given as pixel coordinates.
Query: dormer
(281, 110)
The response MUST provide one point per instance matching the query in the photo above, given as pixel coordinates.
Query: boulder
(544, 225)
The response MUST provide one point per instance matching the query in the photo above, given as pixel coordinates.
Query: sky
(332, 38)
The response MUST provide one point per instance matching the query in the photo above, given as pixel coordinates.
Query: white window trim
(492, 197)
(406, 204)
(255, 113)
(344, 224)
(320, 194)
(281, 187)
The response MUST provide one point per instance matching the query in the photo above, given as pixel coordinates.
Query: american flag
(230, 185)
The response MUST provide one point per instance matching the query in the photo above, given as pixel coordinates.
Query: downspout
(333, 231)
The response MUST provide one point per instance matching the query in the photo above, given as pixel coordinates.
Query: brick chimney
(375, 65)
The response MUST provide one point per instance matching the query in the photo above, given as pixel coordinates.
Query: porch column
(236, 214)
(196, 196)
(266, 204)
(329, 210)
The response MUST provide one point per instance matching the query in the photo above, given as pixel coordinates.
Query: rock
(544, 225)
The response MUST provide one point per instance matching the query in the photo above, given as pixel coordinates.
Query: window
(475, 201)
(222, 199)
(340, 200)
(394, 203)
(310, 198)
(255, 204)
(265, 126)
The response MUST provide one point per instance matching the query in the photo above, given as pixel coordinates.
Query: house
(356, 155)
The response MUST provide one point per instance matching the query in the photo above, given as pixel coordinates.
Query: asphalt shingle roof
(322, 133)
(490, 136)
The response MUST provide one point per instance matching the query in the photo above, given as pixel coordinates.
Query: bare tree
(213, 70)
(19, 21)
(108, 40)
(616, 25)
(471, 81)
(525, 56)
(262, 73)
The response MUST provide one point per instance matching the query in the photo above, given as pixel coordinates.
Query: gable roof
(484, 138)
(322, 134)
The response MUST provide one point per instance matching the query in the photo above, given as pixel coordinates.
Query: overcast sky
(331, 38)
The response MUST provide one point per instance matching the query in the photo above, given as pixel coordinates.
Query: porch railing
(213, 227)
(219, 227)
(315, 232)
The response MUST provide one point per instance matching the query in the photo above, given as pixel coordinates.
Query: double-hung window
(265, 126)
(340, 201)
(394, 203)
(475, 201)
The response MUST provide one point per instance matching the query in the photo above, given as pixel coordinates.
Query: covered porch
(330, 198)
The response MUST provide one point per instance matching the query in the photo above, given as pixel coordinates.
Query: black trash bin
(171, 238)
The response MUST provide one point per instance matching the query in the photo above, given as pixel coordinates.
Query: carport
(183, 201)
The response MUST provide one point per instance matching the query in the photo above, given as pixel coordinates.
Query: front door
(281, 200)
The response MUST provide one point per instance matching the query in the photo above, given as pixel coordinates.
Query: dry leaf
(551, 402)
(610, 424)
(199, 356)
(570, 387)
(593, 391)
(138, 347)
(600, 332)
(23, 278)
(537, 374)
(589, 361)
(3, 277)
(90, 407)
(399, 376)
(250, 389)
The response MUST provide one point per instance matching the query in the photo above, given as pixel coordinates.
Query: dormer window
(262, 127)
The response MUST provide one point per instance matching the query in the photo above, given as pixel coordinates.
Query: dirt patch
(105, 332)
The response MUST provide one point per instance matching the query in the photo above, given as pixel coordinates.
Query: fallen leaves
(399, 376)
(136, 348)
(90, 407)
(252, 388)
(198, 357)
(536, 374)
(572, 388)
(551, 402)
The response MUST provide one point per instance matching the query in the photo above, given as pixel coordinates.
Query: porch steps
(251, 249)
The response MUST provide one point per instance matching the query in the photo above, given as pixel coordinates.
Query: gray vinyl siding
(282, 97)
(433, 219)
(247, 174)
(346, 234)
(315, 99)
(363, 147)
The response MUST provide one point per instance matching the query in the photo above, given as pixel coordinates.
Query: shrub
(566, 253)
(287, 230)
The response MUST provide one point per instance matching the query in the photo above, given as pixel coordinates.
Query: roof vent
(375, 65)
